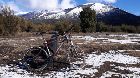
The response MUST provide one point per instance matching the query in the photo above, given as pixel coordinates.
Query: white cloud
(100, 1)
(67, 4)
(29, 5)
(43, 4)
(13, 6)
(10, 4)
(47, 4)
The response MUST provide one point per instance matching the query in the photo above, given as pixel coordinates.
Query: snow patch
(5, 72)
(135, 70)
(100, 8)
(118, 75)
(75, 11)
(8, 72)
(123, 39)
(112, 56)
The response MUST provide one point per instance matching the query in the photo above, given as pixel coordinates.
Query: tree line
(11, 24)
(90, 24)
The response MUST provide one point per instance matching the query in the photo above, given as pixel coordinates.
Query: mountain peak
(104, 12)
(88, 3)
(21, 13)
(99, 4)
(71, 12)
(101, 8)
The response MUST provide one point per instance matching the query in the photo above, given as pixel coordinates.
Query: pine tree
(10, 22)
(88, 20)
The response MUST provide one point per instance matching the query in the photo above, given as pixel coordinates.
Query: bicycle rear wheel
(37, 58)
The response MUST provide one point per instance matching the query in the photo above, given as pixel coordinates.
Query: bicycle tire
(37, 58)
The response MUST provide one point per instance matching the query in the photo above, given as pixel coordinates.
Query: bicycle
(38, 58)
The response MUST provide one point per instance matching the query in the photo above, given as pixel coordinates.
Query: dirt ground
(12, 50)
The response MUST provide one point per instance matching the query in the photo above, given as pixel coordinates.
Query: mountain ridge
(105, 13)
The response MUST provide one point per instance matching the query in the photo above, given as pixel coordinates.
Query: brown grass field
(115, 55)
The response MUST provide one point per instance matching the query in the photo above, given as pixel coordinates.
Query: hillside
(105, 13)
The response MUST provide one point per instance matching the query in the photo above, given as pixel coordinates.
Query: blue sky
(132, 6)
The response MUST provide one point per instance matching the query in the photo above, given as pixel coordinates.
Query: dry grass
(14, 50)
(7, 50)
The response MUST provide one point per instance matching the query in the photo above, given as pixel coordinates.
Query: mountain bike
(38, 58)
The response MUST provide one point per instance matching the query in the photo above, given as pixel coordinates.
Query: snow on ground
(91, 59)
(135, 70)
(123, 39)
(10, 72)
(112, 56)
(109, 74)
(19, 73)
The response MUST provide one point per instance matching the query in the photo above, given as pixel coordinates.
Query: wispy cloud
(13, 6)
(47, 4)
(29, 5)
(10, 4)
(43, 4)
(101, 1)
(24, 5)
(67, 4)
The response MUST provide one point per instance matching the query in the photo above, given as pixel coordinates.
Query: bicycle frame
(66, 38)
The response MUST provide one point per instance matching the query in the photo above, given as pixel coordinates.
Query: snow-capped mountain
(98, 7)
(105, 13)
(21, 13)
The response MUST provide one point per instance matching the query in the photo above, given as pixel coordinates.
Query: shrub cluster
(11, 25)
(101, 27)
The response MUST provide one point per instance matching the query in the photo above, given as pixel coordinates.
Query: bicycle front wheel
(37, 58)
